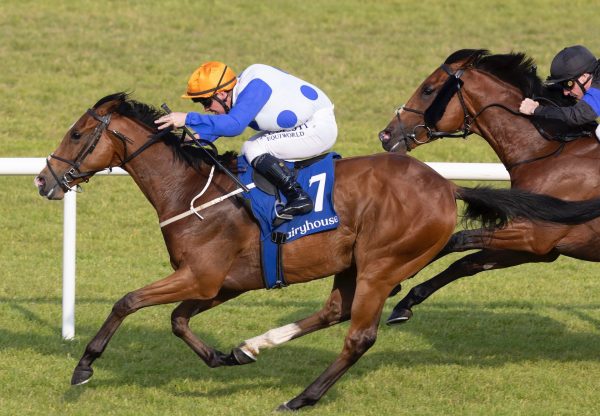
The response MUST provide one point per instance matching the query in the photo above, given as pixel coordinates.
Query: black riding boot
(276, 172)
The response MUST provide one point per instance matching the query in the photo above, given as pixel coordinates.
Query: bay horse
(474, 91)
(386, 233)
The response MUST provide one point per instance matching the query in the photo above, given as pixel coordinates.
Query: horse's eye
(428, 90)
(75, 135)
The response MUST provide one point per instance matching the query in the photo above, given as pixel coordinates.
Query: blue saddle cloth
(317, 180)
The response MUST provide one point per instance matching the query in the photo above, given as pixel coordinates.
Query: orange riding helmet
(209, 79)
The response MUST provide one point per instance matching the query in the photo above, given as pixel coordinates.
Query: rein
(104, 121)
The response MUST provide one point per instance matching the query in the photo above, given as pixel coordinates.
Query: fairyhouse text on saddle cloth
(312, 226)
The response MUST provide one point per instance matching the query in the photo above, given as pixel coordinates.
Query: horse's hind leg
(180, 319)
(336, 310)
(467, 266)
(366, 311)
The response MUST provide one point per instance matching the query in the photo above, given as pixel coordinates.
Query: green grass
(522, 341)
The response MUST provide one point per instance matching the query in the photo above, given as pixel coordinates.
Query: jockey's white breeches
(310, 139)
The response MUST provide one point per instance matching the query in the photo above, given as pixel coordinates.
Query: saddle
(316, 176)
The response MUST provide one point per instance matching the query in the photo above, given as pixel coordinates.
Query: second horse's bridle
(453, 85)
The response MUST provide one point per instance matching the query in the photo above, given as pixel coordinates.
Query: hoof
(399, 316)
(242, 357)
(81, 375)
(285, 408)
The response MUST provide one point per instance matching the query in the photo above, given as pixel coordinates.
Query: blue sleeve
(592, 97)
(248, 104)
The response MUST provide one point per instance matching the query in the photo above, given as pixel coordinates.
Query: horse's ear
(113, 100)
(533, 69)
(474, 57)
(471, 60)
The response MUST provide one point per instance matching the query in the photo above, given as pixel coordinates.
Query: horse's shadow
(493, 334)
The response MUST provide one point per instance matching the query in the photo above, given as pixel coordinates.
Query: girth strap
(279, 239)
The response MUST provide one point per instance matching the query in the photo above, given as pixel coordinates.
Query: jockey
(576, 70)
(294, 120)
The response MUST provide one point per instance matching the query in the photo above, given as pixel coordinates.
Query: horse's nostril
(39, 181)
(40, 184)
(384, 136)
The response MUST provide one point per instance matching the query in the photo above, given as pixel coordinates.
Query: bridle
(75, 173)
(452, 86)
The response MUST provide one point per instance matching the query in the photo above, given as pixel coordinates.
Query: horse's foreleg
(176, 287)
(336, 309)
(466, 266)
(460, 241)
(520, 242)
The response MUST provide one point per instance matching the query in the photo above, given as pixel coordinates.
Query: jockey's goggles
(568, 84)
(205, 101)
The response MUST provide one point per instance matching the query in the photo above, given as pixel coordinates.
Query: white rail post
(69, 236)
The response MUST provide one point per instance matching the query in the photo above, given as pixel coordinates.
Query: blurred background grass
(58, 58)
(520, 341)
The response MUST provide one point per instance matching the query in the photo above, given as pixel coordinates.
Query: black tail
(495, 207)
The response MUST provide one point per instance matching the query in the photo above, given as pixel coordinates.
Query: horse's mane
(515, 68)
(146, 114)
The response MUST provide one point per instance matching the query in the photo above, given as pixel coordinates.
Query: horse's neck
(513, 138)
(167, 183)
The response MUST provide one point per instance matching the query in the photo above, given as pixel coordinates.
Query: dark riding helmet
(570, 63)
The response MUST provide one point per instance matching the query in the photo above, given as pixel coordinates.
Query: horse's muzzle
(40, 183)
(392, 144)
(47, 190)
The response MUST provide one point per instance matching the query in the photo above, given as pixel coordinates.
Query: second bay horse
(474, 91)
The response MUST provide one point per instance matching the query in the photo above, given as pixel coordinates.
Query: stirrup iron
(281, 205)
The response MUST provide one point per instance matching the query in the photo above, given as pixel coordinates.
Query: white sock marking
(269, 339)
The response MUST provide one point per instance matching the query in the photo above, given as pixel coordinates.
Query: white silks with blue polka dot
(294, 118)
(292, 100)
(296, 122)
